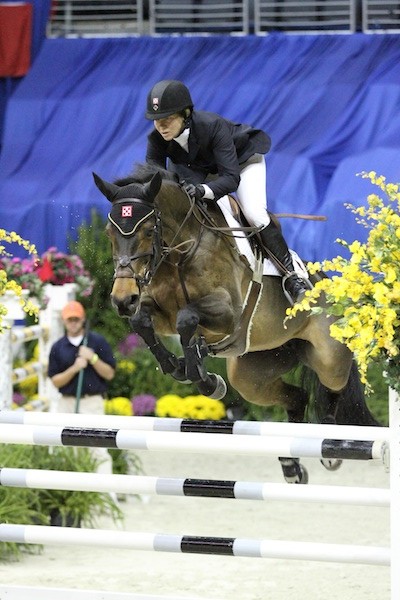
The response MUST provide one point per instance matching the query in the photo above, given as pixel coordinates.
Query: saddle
(248, 241)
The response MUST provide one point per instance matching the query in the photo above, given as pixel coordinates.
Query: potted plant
(57, 268)
(71, 508)
(50, 507)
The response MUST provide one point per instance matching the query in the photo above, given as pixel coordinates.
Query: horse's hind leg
(256, 376)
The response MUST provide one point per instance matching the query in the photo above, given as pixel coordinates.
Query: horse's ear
(152, 188)
(108, 189)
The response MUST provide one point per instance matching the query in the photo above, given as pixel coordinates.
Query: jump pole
(12, 592)
(238, 547)
(176, 425)
(204, 488)
(394, 418)
(193, 442)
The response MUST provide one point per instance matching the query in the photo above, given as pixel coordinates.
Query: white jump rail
(11, 592)
(361, 449)
(208, 443)
(176, 425)
(205, 488)
(235, 547)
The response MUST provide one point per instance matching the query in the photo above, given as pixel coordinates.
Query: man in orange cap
(78, 350)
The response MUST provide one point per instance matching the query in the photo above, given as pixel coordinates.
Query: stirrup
(306, 282)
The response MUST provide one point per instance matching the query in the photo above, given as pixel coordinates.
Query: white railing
(48, 330)
(95, 18)
(79, 18)
(84, 18)
(199, 16)
(318, 16)
(381, 16)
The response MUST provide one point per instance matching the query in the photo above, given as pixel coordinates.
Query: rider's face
(169, 127)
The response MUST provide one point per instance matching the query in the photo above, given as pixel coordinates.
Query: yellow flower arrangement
(365, 294)
(190, 407)
(118, 406)
(9, 284)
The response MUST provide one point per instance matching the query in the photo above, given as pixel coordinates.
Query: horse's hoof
(331, 464)
(293, 471)
(214, 387)
(180, 372)
(303, 475)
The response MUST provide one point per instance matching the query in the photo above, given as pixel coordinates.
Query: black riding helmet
(166, 98)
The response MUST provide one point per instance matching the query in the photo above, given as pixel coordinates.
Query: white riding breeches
(251, 193)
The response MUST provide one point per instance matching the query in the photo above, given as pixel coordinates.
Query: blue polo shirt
(63, 355)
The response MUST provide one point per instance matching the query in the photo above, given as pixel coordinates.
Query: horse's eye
(149, 233)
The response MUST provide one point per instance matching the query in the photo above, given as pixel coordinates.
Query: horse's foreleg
(142, 324)
(195, 351)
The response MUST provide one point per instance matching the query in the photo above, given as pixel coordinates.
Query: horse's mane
(143, 172)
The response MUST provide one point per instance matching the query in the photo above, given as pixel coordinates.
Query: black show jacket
(217, 147)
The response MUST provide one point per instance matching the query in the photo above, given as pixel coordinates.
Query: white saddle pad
(245, 248)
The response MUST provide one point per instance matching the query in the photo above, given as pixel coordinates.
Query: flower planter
(12, 302)
(59, 295)
(56, 520)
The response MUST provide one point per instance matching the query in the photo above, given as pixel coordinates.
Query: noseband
(127, 216)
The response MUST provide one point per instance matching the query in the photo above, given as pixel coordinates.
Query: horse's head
(134, 228)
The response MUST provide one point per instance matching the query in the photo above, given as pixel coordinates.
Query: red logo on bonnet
(126, 211)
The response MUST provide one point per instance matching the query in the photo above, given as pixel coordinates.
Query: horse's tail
(351, 409)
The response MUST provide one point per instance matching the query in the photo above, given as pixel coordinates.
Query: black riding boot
(276, 249)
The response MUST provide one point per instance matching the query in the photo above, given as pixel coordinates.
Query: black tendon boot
(276, 249)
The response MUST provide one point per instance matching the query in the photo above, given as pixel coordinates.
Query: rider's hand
(194, 191)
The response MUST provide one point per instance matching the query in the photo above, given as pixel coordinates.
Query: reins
(209, 223)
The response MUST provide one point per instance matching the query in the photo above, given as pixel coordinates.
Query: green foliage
(18, 505)
(94, 248)
(78, 506)
(125, 462)
(378, 402)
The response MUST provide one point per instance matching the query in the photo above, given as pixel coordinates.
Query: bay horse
(179, 272)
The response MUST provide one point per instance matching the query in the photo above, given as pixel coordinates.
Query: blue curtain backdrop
(331, 104)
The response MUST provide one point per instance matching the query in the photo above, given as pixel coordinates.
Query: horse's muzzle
(125, 296)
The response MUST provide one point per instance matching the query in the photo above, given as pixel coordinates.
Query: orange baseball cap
(73, 309)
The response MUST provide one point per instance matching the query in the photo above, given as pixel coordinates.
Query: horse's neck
(178, 224)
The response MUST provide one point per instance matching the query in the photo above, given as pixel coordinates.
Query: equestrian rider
(215, 157)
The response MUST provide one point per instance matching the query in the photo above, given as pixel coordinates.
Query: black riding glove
(194, 191)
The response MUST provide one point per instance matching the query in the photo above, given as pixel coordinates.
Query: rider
(214, 157)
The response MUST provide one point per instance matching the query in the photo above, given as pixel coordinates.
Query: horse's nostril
(125, 306)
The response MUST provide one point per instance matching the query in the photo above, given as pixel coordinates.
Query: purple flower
(144, 404)
(130, 343)
(18, 399)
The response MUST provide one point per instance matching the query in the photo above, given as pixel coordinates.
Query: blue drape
(331, 104)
